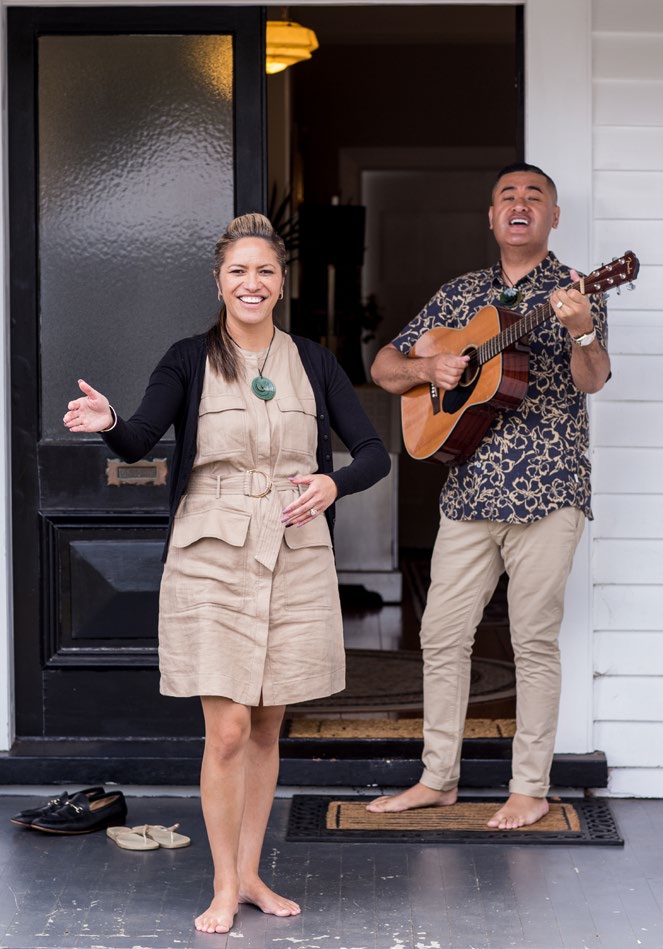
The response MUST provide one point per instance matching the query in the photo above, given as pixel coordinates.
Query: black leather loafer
(80, 815)
(28, 816)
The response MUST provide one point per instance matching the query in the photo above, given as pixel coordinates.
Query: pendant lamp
(288, 43)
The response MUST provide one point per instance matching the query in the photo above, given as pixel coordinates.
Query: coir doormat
(406, 728)
(315, 817)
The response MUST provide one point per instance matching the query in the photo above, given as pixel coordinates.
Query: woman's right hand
(91, 413)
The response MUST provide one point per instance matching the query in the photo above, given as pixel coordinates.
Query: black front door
(135, 135)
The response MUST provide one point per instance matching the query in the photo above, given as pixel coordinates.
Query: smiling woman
(249, 613)
(250, 282)
(249, 270)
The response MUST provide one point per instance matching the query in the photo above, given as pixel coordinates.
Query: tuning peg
(619, 291)
(631, 286)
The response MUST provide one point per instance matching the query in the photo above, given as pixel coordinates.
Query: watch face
(585, 339)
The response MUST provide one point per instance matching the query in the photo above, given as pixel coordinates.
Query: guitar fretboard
(497, 344)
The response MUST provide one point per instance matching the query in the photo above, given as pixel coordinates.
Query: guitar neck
(497, 344)
(609, 276)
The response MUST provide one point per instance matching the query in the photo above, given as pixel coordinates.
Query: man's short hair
(524, 166)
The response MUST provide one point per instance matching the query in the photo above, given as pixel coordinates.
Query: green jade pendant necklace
(261, 386)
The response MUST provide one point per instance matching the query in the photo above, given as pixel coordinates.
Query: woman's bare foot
(220, 915)
(519, 811)
(256, 892)
(417, 796)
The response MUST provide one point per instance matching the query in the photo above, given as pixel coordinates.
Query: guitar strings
(507, 337)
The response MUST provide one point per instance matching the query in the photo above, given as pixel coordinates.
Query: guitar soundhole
(454, 399)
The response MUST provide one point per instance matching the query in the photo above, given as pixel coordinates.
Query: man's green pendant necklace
(261, 386)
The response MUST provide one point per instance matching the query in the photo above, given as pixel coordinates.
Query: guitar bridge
(435, 399)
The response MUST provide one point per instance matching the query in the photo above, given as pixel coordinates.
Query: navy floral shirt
(534, 459)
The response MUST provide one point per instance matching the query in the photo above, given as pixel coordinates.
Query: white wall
(628, 413)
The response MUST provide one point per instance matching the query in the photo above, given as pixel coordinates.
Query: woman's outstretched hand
(91, 413)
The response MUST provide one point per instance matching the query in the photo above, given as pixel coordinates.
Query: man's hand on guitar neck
(571, 307)
(397, 373)
(590, 364)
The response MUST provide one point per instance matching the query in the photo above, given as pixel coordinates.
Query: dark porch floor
(85, 893)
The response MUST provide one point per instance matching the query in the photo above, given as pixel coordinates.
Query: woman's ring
(559, 305)
(313, 512)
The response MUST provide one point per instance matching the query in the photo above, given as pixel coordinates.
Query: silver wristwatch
(586, 339)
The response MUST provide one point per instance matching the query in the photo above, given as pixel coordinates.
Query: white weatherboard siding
(627, 415)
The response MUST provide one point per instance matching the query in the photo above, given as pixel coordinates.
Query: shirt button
(321, 417)
(326, 437)
(327, 457)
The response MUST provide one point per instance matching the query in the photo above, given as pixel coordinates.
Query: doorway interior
(405, 112)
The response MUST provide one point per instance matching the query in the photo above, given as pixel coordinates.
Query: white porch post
(558, 137)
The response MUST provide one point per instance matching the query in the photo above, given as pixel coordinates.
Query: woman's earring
(219, 296)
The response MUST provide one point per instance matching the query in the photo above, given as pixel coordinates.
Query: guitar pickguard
(454, 399)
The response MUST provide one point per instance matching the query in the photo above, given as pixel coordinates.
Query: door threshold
(176, 762)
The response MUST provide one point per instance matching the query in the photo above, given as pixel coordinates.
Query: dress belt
(253, 483)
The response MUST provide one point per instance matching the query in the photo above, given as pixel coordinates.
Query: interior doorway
(406, 112)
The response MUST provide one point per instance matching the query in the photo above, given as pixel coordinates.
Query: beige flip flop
(131, 838)
(165, 836)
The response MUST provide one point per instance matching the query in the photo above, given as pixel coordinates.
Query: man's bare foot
(256, 892)
(417, 796)
(519, 811)
(219, 916)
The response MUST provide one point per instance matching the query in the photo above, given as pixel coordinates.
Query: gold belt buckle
(261, 494)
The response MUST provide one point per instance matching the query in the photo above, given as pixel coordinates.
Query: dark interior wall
(409, 96)
(387, 93)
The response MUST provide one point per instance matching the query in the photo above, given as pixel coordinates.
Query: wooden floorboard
(86, 893)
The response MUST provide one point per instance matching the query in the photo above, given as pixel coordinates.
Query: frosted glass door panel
(135, 185)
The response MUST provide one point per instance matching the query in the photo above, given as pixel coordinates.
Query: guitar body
(449, 426)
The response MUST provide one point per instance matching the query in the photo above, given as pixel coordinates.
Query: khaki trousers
(468, 558)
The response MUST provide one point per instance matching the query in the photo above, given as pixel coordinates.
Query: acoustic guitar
(448, 426)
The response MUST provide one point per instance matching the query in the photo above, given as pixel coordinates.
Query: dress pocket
(221, 425)
(229, 526)
(207, 557)
(299, 430)
(315, 533)
(309, 574)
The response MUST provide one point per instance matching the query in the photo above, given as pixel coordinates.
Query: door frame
(558, 109)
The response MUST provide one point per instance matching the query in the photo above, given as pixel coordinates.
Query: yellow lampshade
(288, 43)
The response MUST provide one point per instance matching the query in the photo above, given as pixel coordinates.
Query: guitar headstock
(621, 270)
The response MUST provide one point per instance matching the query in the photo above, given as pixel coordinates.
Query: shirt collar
(546, 269)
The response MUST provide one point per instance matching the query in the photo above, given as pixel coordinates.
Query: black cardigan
(173, 396)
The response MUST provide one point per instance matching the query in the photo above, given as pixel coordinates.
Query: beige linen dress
(250, 609)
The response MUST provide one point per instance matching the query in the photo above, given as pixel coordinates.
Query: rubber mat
(316, 817)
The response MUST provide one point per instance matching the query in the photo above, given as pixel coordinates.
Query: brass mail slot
(141, 472)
